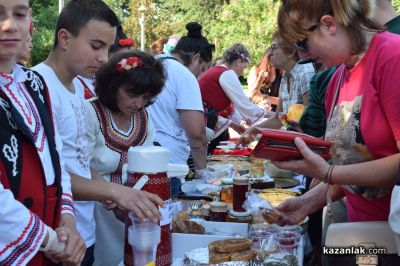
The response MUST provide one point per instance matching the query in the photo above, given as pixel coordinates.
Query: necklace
(70, 87)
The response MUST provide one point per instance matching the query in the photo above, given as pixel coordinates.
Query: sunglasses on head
(302, 44)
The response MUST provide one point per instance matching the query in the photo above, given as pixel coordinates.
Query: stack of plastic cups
(144, 237)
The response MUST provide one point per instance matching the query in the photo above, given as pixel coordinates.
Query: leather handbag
(278, 145)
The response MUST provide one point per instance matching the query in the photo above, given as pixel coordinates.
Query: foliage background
(225, 22)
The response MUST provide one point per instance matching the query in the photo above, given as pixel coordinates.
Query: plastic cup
(292, 228)
(287, 242)
(144, 237)
(264, 227)
(258, 238)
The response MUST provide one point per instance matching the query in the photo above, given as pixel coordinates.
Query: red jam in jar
(218, 211)
(239, 191)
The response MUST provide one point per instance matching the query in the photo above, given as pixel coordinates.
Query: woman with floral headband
(222, 94)
(117, 120)
(363, 117)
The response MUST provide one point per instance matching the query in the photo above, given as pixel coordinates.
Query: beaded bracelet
(330, 175)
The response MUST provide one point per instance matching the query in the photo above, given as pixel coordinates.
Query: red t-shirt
(366, 120)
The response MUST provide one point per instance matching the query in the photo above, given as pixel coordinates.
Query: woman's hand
(142, 203)
(262, 75)
(247, 137)
(293, 210)
(238, 127)
(311, 165)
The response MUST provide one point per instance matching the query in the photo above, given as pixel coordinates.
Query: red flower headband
(127, 42)
(128, 64)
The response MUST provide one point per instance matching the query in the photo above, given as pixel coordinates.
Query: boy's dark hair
(120, 36)
(194, 43)
(148, 78)
(77, 13)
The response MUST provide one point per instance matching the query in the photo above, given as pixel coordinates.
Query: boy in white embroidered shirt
(85, 31)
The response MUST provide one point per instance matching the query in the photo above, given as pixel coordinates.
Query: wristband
(53, 246)
(52, 237)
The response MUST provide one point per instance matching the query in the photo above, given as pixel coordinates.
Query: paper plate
(286, 182)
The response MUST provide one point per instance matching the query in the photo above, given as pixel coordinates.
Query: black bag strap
(398, 178)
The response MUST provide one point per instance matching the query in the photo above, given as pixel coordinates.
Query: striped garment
(313, 120)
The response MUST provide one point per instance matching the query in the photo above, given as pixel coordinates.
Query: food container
(226, 193)
(240, 189)
(261, 183)
(205, 211)
(218, 211)
(239, 217)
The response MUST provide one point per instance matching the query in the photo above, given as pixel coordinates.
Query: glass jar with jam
(226, 191)
(239, 217)
(218, 211)
(205, 211)
(239, 191)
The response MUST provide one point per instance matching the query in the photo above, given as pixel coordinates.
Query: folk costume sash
(118, 142)
(88, 93)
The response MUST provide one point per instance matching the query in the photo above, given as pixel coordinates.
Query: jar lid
(218, 205)
(227, 181)
(205, 207)
(240, 180)
(239, 214)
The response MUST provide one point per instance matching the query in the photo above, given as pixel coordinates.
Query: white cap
(148, 159)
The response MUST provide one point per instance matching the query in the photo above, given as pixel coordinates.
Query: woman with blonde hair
(363, 118)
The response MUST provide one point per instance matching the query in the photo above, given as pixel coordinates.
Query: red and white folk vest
(20, 166)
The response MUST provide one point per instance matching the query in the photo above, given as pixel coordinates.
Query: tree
(158, 21)
(120, 7)
(250, 22)
(44, 19)
(396, 4)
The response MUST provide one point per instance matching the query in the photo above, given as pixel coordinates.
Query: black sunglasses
(302, 45)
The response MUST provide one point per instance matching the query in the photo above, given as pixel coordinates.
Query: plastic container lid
(227, 181)
(218, 206)
(239, 214)
(240, 181)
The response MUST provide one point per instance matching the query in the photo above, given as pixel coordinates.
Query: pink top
(365, 123)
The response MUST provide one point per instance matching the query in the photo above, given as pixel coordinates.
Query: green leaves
(44, 21)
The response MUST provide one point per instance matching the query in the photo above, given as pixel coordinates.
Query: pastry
(216, 257)
(271, 216)
(233, 244)
(244, 255)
